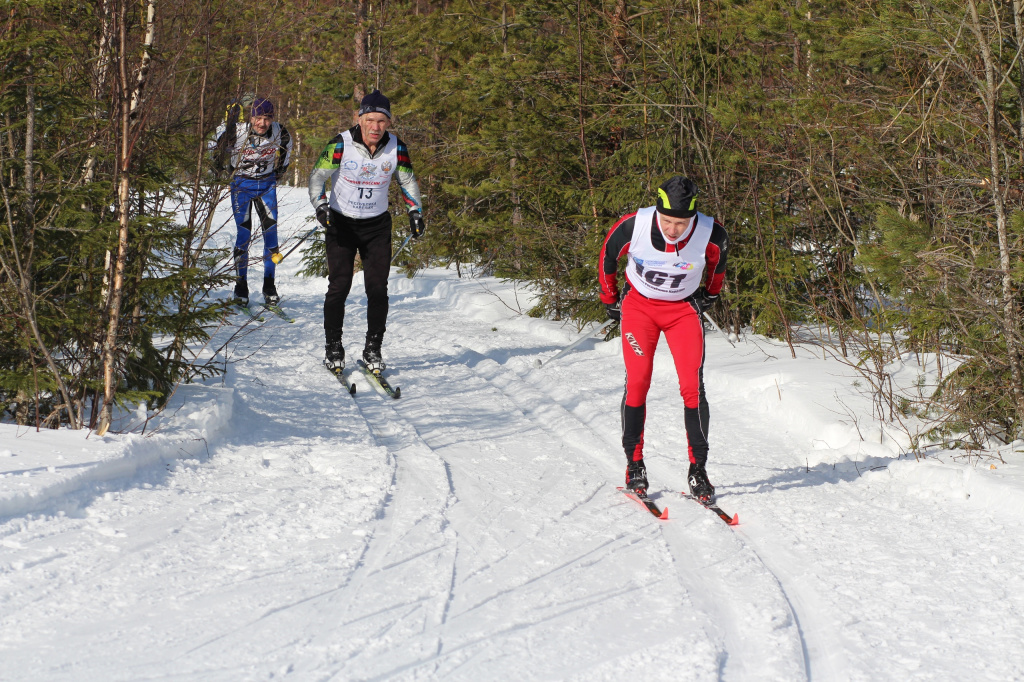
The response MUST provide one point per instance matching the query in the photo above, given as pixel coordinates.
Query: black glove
(614, 311)
(703, 299)
(235, 112)
(416, 224)
(280, 173)
(323, 215)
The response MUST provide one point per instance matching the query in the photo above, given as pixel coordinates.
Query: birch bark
(990, 98)
(129, 107)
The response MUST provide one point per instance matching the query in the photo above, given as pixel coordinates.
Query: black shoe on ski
(636, 477)
(334, 359)
(242, 292)
(270, 291)
(700, 487)
(371, 353)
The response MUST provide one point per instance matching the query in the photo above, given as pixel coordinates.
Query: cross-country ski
(733, 520)
(345, 381)
(646, 502)
(254, 314)
(378, 381)
(276, 309)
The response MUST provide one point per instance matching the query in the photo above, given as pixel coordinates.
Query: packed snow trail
(750, 594)
(472, 531)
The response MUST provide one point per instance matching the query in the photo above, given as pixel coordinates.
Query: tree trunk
(99, 81)
(1018, 29)
(129, 106)
(619, 31)
(582, 115)
(362, 57)
(1011, 323)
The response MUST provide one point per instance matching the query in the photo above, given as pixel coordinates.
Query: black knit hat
(677, 197)
(375, 102)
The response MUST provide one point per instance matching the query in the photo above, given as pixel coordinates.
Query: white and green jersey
(359, 189)
(355, 182)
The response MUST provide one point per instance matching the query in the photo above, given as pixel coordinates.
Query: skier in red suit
(675, 272)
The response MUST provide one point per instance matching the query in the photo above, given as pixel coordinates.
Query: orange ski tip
(735, 520)
(664, 514)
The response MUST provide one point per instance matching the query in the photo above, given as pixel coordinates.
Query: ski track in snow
(457, 653)
(751, 651)
(471, 530)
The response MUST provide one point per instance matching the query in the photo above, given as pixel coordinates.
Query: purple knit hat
(262, 107)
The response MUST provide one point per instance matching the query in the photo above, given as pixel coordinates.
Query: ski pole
(400, 249)
(719, 329)
(278, 257)
(572, 346)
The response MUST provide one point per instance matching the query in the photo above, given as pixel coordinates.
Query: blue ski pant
(247, 195)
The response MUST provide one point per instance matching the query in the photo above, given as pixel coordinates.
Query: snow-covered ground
(269, 526)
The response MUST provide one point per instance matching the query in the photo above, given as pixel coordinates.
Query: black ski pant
(371, 239)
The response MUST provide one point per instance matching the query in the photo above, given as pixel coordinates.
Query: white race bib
(360, 187)
(667, 275)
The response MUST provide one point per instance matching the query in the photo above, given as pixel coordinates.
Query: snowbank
(993, 487)
(819, 402)
(39, 471)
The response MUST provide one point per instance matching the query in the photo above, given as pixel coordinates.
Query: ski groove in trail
(524, 553)
(821, 644)
(756, 596)
(405, 567)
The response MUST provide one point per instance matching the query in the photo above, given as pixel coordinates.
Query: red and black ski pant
(371, 239)
(643, 321)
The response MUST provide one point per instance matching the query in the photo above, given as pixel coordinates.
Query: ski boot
(270, 291)
(334, 359)
(700, 487)
(242, 293)
(371, 353)
(636, 477)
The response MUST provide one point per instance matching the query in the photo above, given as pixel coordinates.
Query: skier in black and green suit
(349, 189)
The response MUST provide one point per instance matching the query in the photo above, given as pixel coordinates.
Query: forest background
(866, 158)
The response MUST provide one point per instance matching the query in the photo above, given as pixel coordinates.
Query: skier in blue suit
(260, 153)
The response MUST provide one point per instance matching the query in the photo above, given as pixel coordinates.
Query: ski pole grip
(277, 258)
